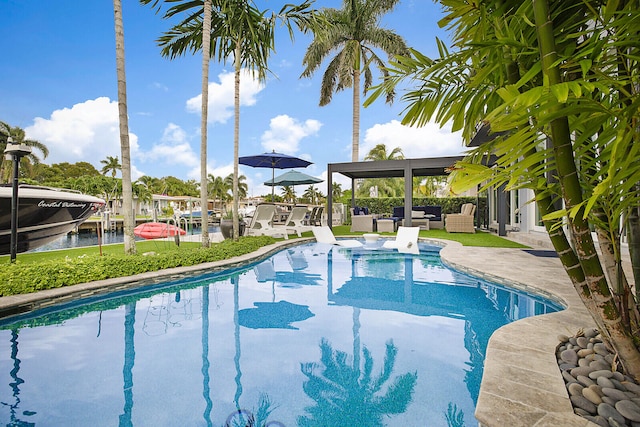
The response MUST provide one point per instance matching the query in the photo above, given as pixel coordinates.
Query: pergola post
(408, 193)
(330, 197)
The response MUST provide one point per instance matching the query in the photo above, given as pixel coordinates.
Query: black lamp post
(15, 152)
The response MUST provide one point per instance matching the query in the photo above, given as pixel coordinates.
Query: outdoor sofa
(419, 214)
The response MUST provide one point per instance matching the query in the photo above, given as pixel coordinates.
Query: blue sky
(58, 82)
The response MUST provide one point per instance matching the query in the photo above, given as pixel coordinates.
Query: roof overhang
(434, 166)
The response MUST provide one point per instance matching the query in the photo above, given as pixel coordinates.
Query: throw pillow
(417, 214)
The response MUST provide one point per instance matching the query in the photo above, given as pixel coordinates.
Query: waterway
(89, 238)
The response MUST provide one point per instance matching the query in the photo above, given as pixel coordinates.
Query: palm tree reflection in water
(15, 386)
(346, 396)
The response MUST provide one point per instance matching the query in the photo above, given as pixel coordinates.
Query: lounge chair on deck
(315, 217)
(295, 221)
(262, 223)
(323, 234)
(406, 240)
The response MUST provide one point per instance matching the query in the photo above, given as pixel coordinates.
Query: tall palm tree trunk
(236, 138)
(605, 307)
(206, 56)
(127, 191)
(355, 137)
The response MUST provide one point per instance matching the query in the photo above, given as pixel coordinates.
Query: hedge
(17, 278)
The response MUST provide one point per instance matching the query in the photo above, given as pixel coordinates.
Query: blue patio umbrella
(274, 161)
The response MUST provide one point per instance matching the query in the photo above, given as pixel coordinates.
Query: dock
(117, 224)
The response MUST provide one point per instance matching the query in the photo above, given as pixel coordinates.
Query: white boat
(44, 214)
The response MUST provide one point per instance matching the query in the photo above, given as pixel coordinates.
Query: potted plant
(226, 225)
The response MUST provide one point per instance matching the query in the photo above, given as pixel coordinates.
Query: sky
(58, 83)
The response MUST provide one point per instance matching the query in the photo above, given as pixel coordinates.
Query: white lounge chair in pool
(297, 259)
(323, 234)
(406, 240)
(264, 271)
(262, 223)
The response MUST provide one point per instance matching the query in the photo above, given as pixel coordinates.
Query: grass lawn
(480, 238)
(118, 248)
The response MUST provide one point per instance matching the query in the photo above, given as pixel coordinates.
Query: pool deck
(522, 385)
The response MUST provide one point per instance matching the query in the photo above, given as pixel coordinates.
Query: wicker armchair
(364, 223)
(462, 222)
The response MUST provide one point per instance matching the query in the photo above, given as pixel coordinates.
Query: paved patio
(522, 385)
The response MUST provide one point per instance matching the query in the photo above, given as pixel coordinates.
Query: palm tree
(289, 194)
(379, 152)
(206, 58)
(336, 191)
(18, 136)
(562, 118)
(243, 187)
(217, 189)
(111, 165)
(153, 184)
(127, 192)
(312, 194)
(386, 187)
(353, 32)
(428, 186)
(241, 30)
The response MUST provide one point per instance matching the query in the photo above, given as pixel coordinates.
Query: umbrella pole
(273, 187)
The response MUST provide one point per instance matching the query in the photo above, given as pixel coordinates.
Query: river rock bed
(597, 388)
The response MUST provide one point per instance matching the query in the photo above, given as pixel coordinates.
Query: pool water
(315, 335)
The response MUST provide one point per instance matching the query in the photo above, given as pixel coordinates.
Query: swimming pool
(315, 335)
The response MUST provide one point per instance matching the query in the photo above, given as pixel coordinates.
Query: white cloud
(285, 133)
(427, 141)
(88, 131)
(221, 96)
(173, 149)
(160, 86)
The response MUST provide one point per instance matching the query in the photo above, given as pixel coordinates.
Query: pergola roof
(435, 166)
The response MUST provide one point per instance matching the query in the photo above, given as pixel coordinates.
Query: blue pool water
(313, 336)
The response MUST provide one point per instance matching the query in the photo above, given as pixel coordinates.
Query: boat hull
(44, 214)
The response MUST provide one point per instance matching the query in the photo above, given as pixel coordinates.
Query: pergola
(405, 168)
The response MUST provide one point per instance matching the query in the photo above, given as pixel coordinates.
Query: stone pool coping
(18, 304)
(521, 386)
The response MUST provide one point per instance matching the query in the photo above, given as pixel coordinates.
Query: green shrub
(20, 278)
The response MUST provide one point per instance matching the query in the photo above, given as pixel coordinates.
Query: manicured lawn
(480, 238)
(141, 246)
(52, 269)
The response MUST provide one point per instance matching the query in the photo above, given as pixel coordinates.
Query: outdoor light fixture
(15, 152)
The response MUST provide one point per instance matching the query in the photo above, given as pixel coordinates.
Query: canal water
(89, 238)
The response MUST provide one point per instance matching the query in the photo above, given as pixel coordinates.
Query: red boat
(157, 230)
